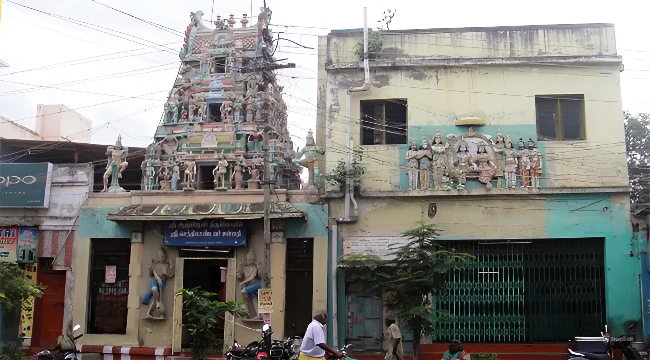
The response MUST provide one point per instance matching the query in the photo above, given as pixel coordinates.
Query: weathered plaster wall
(505, 98)
(551, 216)
(71, 184)
(502, 94)
(496, 42)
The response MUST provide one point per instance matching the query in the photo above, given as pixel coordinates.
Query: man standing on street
(394, 339)
(313, 343)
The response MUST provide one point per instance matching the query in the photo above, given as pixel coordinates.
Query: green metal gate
(524, 291)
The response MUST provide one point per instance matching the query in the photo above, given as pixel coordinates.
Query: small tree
(202, 313)
(406, 281)
(637, 142)
(15, 288)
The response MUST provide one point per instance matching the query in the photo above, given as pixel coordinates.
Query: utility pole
(266, 183)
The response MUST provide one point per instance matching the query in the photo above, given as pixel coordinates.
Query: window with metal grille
(560, 117)
(383, 122)
(109, 294)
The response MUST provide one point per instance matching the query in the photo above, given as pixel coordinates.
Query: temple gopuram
(224, 102)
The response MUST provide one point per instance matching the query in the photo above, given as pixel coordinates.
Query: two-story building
(198, 219)
(43, 185)
(511, 140)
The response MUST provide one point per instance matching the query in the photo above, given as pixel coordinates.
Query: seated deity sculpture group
(447, 163)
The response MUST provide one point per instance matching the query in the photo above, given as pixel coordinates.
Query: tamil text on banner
(27, 251)
(265, 301)
(8, 243)
(25, 185)
(203, 233)
(27, 313)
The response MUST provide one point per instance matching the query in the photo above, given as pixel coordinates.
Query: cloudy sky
(116, 70)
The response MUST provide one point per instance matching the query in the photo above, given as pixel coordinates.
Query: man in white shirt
(313, 343)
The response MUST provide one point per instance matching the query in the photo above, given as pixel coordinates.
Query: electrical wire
(156, 25)
(97, 28)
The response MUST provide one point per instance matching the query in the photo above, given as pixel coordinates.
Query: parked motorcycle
(624, 343)
(66, 348)
(266, 349)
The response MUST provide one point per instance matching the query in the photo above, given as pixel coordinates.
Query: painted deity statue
(412, 165)
(535, 159)
(190, 172)
(440, 160)
(238, 176)
(161, 269)
(250, 283)
(445, 184)
(499, 147)
(307, 158)
(220, 171)
(226, 110)
(510, 168)
(484, 166)
(116, 164)
(463, 164)
(254, 181)
(424, 157)
(524, 164)
(171, 110)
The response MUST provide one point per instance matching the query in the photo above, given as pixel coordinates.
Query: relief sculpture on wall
(452, 161)
(161, 269)
(250, 283)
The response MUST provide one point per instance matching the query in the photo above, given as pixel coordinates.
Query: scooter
(66, 347)
(624, 343)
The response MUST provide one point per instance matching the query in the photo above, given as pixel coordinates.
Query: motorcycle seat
(238, 351)
(590, 356)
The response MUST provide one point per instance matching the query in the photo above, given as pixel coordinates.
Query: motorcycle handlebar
(78, 337)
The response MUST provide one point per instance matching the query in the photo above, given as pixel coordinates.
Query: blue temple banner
(202, 233)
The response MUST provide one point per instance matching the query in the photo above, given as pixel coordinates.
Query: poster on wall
(27, 245)
(265, 301)
(27, 313)
(8, 243)
(203, 233)
(111, 274)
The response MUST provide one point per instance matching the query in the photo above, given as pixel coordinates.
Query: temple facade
(197, 220)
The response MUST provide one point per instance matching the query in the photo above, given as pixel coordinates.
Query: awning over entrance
(239, 211)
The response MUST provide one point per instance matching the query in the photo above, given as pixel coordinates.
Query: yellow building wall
(501, 94)
(459, 218)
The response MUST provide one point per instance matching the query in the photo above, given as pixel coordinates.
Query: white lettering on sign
(11, 180)
(381, 246)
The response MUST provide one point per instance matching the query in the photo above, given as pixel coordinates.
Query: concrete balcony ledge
(494, 192)
(419, 61)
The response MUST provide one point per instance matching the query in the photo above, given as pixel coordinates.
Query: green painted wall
(315, 223)
(584, 216)
(93, 224)
(596, 215)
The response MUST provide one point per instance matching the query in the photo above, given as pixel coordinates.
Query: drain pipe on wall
(349, 185)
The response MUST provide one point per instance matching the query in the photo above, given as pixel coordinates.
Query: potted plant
(335, 179)
(203, 313)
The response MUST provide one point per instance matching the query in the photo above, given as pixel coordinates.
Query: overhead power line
(97, 28)
(156, 25)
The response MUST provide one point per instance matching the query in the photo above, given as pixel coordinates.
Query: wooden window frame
(559, 123)
(382, 126)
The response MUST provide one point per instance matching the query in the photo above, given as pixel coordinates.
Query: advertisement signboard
(25, 185)
(8, 243)
(27, 245)
(205, 233)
